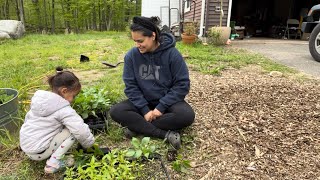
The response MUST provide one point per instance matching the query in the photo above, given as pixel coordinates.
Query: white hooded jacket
(48, 115)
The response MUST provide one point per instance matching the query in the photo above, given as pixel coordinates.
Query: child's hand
(95, 149)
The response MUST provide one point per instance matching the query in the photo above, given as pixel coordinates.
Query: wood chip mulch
(250, 125)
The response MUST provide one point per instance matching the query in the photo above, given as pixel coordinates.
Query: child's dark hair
(64, 78)
(146, 26)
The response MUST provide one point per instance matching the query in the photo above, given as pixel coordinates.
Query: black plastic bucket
(9, 111)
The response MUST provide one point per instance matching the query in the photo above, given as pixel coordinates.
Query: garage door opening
(268, 18)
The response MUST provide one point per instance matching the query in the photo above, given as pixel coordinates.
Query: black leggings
(176, 117)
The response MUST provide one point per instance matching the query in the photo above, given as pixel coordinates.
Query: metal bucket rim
(17, 93)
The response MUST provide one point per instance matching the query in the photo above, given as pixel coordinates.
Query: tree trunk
(63, 13)
(104, 16)
(7, 10)
(3, 11)
(37, 7)
(45, 16)
(94, 17)
(17, 10)
(21, 12)
(137, 7)
(99, 15)
(110, 15)
(75, 16)
(52, 18)
(68, 20)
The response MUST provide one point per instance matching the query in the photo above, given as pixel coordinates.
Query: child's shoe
(55, 167)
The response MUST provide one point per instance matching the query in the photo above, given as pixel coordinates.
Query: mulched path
(250, 125)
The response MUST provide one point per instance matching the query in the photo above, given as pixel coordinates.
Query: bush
(214, 37)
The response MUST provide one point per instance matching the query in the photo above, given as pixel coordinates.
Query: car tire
(314, 42)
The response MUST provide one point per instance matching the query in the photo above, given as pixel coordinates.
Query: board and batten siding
(160, 8)
(197, 14)
(213, 16)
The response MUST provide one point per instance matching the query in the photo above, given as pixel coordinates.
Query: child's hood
(44, 103)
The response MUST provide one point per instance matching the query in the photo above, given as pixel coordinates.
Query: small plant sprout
(181, 165)
(141, 149)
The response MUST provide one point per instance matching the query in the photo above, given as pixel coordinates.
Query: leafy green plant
(181, 165)
(91, 101)
(214, 37)
(141, 148)
(190, 28)
(4, 97)
(113, 165)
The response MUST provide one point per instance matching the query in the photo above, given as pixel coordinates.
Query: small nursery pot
(97, 123)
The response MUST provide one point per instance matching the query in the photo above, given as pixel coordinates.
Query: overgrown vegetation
(25, 64)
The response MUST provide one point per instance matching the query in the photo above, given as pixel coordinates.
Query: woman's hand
(149, 116)
(156, 113)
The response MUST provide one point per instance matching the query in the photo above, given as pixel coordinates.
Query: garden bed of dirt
(250, 125)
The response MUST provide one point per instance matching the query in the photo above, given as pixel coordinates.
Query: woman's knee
(113, 111)
(188, 117)
(184, 113)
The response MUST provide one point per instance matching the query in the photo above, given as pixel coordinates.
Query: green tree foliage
(66, 16)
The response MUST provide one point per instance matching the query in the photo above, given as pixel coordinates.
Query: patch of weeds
(9, 141)
(115, 133)
(181, 165)
(29, 169)
(188, 138)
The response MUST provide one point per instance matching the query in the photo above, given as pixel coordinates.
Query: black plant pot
(97, 123)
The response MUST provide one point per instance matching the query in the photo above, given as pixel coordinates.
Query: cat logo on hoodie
(147, 72)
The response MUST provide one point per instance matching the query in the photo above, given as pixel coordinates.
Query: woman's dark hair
(146, 25)
(64, 79)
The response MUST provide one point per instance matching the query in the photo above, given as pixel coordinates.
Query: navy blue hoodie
(158, 78)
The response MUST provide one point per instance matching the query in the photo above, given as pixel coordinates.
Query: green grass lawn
(25, 64)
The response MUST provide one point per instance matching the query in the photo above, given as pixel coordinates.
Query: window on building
(187, 5)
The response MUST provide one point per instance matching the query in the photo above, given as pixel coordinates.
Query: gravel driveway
(292, 53)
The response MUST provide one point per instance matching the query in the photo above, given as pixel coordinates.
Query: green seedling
(181, 165)
(141, 148)
(113, 165)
